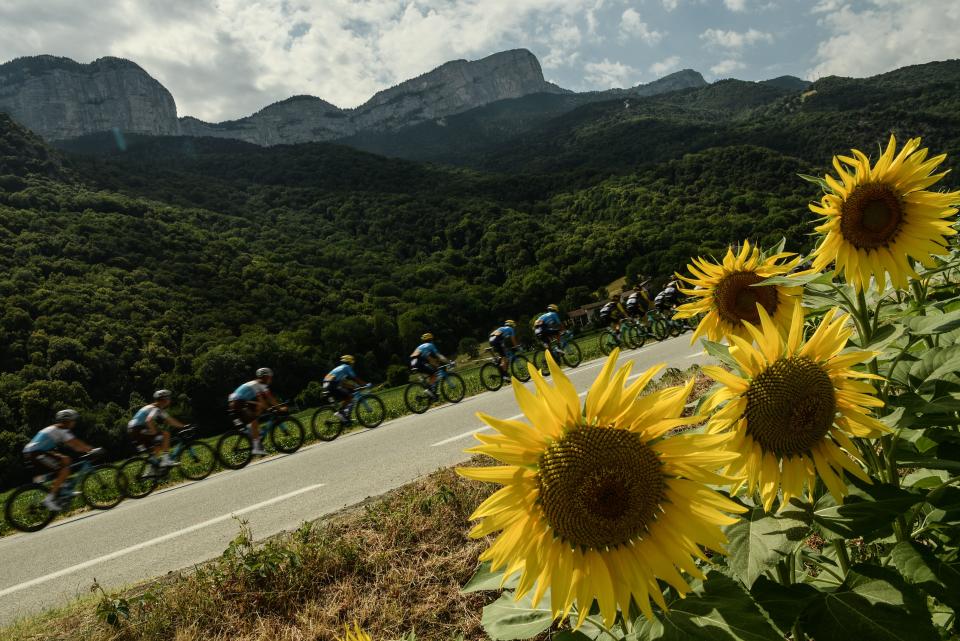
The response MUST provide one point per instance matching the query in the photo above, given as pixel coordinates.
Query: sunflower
(795, 408)
(357, 634)
(876, 219)
(597, 504)
(728, 298)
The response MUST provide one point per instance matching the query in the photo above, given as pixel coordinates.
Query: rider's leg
(62, 474)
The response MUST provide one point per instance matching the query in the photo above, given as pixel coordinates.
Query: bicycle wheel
(634, 336)
(101, 487)
(607, 342)
(572, 354)
(453, 388)
(520, 368)
(287, 435)
(197, 460)
(325, 425)
(490, 377)
(675, 328)
(235, 449)
(658, 328)
(540, 362)
(370, 411)
(416, 398)
(24, 508)
(138, 477)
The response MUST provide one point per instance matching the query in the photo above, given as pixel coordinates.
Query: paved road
(194, 522)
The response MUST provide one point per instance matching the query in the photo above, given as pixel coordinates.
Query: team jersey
(425, 350)
(502, 332)
(145, 414)
(49, 438)
(249, 391)
(551, 320)
(340, 372)
(613, 309)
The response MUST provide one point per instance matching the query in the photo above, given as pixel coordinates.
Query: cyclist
(145, 429)
(639, 303)
(426, 359)
(668, 298)
(613, 313)
(248, 401)
(340, 383)
(498, 342)
(41, 453)
(548, 326)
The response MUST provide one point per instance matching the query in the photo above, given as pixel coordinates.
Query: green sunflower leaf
(783, 603)
(508, 619)
(720, 352)
(758, 541)
(867, 511)
(719, 608)
(873, 603)
(934, 323)
(486, 580)
(920, 567)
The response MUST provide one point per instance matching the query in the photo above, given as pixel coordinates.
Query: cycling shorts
(499, 345)
(243, 410)
(141, 436)
(337, 391)
(421, 364)
(42, 462)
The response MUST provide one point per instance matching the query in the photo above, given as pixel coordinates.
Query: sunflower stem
(840, 546)
(920, 298)
(797, 631)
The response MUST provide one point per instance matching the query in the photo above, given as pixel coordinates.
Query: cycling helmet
(161, 394)
(553, 308)
(348, 359)
(66, 415)
(427, 337)
(510, 323)
(616, 296)
(264, 371)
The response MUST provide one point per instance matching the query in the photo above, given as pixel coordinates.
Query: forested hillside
(186, 263)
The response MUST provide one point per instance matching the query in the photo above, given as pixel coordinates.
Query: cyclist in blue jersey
(426, 358)
(548, 326)
(249, 401)
(145, 428)
(340, 383)
(43, 454)
(498, 342)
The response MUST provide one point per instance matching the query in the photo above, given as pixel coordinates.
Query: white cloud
(727, 66)
(665, 66)
(632, 26)
(607, 75)
(885, 35)
(228, 58)
(735, 39)
(670, 5)
(735, 5)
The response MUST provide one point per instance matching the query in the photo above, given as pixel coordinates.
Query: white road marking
(155, 541)
(697, 355)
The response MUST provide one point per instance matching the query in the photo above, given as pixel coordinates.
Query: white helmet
(66, 415)
(161, 394)
(264, 371)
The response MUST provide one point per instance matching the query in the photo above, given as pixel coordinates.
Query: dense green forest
(129, 264)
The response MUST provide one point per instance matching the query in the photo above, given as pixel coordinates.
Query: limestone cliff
(59, 98)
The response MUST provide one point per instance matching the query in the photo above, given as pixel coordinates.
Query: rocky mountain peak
(60, 98)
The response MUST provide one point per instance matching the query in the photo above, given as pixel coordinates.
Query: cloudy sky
(225, 59)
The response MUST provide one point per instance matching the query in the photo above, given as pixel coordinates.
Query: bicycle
(99, 488)
(491, 376)
(285, 432)
(632, 336)
(418, 397)
(140, 475)
(564, 349)
(673, 326)
(368, 409)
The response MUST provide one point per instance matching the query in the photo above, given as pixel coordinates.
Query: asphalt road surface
(188, 524)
